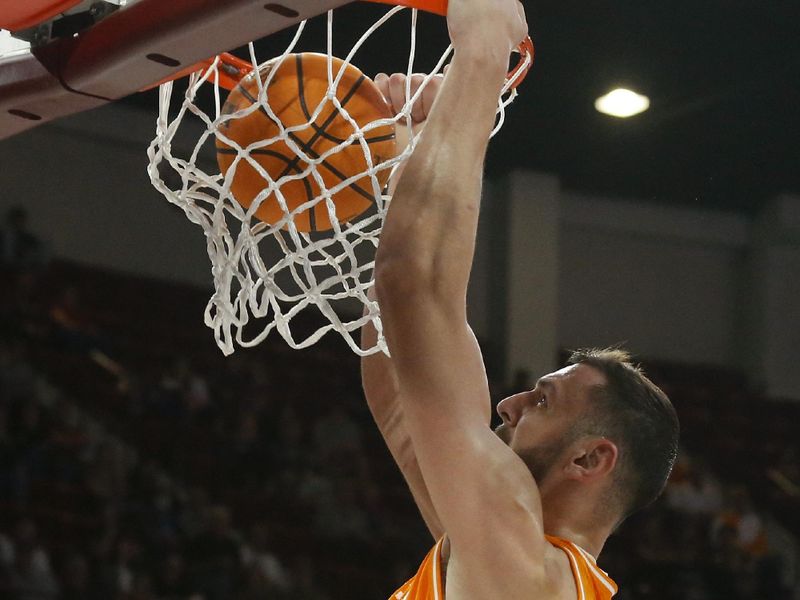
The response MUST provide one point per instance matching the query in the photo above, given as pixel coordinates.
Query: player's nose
(509, 409)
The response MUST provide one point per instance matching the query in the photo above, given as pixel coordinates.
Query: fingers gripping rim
(232, 69)
(439, 7)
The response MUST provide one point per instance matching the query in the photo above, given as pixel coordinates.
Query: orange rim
(526, 55)
(232, 69)
(439, 7)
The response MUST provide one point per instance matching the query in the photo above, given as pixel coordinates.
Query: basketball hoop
(268, 272)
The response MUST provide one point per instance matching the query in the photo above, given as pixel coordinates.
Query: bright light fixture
(622, 103)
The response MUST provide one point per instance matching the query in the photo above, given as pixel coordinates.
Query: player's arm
(381, 389)
(378, 376)
(483, 494)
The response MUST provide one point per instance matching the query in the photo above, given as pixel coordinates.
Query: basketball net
(267, 275)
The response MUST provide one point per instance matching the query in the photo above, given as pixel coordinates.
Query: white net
(278, 273)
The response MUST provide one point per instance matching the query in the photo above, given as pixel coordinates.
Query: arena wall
(553, 269)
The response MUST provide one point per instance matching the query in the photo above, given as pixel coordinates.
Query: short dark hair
(639, 418)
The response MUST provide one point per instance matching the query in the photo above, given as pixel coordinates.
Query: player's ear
(593, 457)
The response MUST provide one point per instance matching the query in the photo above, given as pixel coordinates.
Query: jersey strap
(592, 582)
(427, 583)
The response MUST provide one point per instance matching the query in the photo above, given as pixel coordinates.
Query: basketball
(298, 86)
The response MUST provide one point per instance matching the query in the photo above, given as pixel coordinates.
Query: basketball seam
(376, 139)
(304, 107)
(319, 131)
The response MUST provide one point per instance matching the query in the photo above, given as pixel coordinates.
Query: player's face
(541, 424)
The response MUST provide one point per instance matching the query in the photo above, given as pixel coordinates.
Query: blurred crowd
(163, 471)
(702, 540)
(87, 515)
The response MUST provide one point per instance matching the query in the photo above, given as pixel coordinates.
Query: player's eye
(542, 401)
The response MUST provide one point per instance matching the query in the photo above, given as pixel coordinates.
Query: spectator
(26, 566)
(30, 431)
(120, 574)
(248, 459)
(696, 494)
(8, 480)
(142, 588)
(73, 326)
(740, 516)
(728, 564)
(68, 438)
(215, 556)
(197, 395)
(266, 575)
(192, 519)
(314, 487)
(18, 380)
(171, 582)
(290, 452)
(76, 580)
(339, 515)
(336, 435)
(158, 509)
(107, 473)
(786, 472)
(306, 580)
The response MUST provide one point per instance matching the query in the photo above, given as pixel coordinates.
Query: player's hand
(486, 26)
(393, 88)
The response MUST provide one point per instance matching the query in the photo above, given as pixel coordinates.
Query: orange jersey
(427, 584)
(592, 582)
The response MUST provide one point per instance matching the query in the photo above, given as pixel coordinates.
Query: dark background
(722, 77)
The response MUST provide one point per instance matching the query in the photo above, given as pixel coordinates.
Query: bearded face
(540, 458)
(540, 424)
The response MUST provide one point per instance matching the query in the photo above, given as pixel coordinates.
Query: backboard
(130, 49)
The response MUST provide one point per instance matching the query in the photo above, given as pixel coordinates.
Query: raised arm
(378, 375)
(482, 492)
(382, 391)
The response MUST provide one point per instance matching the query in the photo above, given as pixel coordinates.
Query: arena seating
(153, 467)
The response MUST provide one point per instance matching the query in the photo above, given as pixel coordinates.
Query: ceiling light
(622, 103)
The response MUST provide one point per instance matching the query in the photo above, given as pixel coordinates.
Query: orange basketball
(296, 89)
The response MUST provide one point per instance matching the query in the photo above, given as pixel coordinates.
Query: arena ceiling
(723, 77)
